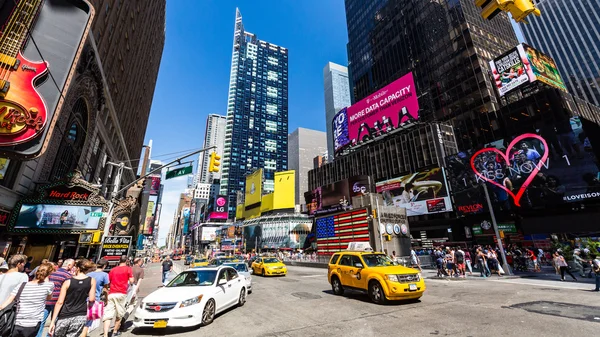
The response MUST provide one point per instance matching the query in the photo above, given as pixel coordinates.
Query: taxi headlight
(191, 301)
(392, 277)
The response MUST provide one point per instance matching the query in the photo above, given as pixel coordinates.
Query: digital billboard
(209, 234)
(543, 67)
(253, 190)
(69, 217)
(336, 196)
(420, 193)
(154, 185)
(531, 170)
(392, 107)
(219, 210)
(509, 71)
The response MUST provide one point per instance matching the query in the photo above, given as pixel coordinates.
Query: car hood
(176, 294)
(275, 264)
(398, 270)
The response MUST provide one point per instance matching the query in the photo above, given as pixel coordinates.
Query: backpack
(8, 315)
(460, 257)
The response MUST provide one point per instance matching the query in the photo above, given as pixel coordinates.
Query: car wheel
(208, 315)
(242, 298)
(336, 286)
(376, 293)
(263, 273)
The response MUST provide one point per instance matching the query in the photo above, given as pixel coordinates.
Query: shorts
(115, 307)
(69, 327)
(450, 265)
(460, 265)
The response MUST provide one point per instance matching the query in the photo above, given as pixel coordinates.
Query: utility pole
(489, 202)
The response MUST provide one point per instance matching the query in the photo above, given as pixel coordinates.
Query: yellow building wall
(267, 203)
(285, 190)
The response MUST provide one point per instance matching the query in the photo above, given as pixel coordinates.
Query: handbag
(8, 315)
(95, 311)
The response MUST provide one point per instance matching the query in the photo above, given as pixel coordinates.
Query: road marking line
(313, 275)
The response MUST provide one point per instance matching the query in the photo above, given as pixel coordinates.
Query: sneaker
(116, 334)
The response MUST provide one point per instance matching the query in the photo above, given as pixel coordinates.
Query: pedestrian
(32, 301)
(102, 281)
(120, 278)
(3, 267)
(394, 255)
(481, 264)
(414, 260)
(167, 267)
(57, 277)
(468, 261)
(138, 273)
(76, 295)
(13, 277)
(596, 269)
(459, 255)
(59, 263)
(32, 273)
(449, 262)
(493, 258)
(579, 262)
(563, 266)
(439, 262)
(27, 268)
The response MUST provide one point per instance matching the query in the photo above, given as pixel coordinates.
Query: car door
(358, 280)
(221, 291)
(256, 265)
(346, 270)
(235, 284)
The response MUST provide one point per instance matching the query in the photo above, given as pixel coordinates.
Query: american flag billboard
(334, 232)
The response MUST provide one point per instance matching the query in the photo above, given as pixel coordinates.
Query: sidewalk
(544, 275)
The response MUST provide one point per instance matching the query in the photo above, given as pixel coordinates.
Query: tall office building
(445, 44)
(257, 112)
(303, 146)
(214, 135)
(578, 61)
(337, 96)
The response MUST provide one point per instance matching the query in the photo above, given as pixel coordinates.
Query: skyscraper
(337, 96)
(303, 146)
(445, 44)
(578, 61)
(257, 112)
(214, 135)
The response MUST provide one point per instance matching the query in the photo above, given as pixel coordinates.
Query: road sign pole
(489, 202)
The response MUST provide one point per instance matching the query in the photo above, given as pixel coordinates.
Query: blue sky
(194, 73)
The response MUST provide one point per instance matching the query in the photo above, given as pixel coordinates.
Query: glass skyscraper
(569, 31)
(257, 112)
(337, 97)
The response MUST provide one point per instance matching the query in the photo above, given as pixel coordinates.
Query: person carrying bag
(8, 315)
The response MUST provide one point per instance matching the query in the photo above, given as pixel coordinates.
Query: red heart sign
(535, 168)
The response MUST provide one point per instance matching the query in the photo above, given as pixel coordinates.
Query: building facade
(257, 112)
(303, 146)
(213, 136)
(337, 97)
(579, 60)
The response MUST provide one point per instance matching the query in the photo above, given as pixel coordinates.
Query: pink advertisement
(384, 111)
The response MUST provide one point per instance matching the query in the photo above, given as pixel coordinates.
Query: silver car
(242, 268)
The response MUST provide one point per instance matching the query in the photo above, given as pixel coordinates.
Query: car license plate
(160, 324)
(412, 287)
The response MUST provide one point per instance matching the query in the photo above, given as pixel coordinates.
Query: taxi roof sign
(360, 247)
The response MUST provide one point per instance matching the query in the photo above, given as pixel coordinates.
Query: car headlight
(191, 301)
(249, 278)
(392, 277)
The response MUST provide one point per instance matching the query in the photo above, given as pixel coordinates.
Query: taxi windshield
(377, 260)
(199, 260)
(271, 260)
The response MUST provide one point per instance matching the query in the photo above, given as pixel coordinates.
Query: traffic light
(519, 9)
(214, 162)
(387, 237)
(489, 8)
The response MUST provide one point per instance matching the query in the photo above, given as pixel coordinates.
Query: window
(334, 259)
(231, 274)
(346, 260)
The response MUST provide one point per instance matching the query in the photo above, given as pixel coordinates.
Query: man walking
(58, 278)
(120, 278)
(167, 266)
(13, 277)
(596, 269)
(138, 273)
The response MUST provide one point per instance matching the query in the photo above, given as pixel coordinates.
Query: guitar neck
(15, 31)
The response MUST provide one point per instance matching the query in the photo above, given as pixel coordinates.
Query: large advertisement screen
(382, 112)
(154, 185)
(253, 190)
(531, 170)
(219, 210)
(340, 130)
(509, 71)
(420, 193)
(45, 216)
(209, 234)
(543, 67)
(336, 196)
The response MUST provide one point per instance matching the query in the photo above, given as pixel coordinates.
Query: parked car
(242, 268)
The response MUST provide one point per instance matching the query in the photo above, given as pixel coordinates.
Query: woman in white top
(32, 302)
(562, 264)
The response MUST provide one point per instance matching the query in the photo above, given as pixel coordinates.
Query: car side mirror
(358, 265)
(222, 282)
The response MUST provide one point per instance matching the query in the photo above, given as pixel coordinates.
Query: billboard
(113, 247)
(186, 219)
(420, 193)
(334, 232)
(154, 185)
(47, 216)
(337, 196)
(340, 130)
(524, 64)
(509, 71)
(209, 234)
(219, 210)
(253, 190)
(382, 112)
(531, 170)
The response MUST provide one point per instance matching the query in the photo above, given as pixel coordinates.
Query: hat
(4, 265)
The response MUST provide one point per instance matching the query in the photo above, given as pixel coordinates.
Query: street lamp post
(489, 202)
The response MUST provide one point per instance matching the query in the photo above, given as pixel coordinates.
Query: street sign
(97, 215)
(178, 172)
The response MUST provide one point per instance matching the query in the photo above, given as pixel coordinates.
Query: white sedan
(192, 298)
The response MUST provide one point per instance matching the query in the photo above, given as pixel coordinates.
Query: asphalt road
(302, 304)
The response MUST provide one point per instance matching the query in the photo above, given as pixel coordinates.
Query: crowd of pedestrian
(72, 296)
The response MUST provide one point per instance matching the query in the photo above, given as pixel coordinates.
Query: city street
(302, 304)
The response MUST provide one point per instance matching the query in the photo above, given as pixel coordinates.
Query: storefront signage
(63, 192)
(116, 246)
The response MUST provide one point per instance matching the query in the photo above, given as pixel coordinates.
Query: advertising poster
(382, 112)
(337, 196)
(4, 215)
(209, 234)
(219, 210)
(186, 219)
(253, 190)
(3, 167)
(543, 67)
(45, 216)
(509, 71)
(116, 246)
(154, 185)
(340, 130)
(531, 170)
(420, 193)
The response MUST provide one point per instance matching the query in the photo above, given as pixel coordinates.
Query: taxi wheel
(336, 286)
(263, 273)
(376, 293)
(208, 315)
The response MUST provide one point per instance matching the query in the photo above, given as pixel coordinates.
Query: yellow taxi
(199, 262)
(267, 266)
(374, 273)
